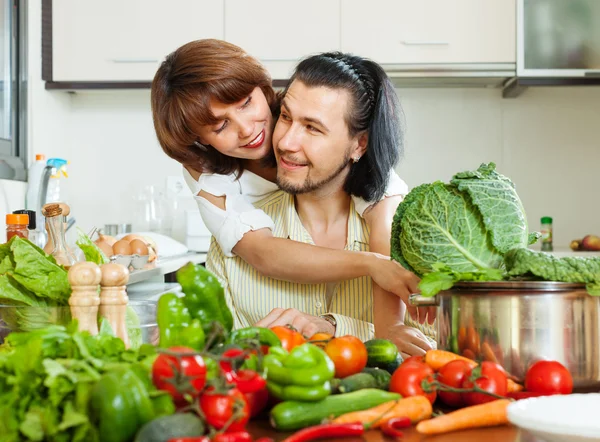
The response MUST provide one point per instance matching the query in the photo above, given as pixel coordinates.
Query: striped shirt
(252, 296)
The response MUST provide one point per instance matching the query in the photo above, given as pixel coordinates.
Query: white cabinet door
(430, 31)
(280, 33)
(125, 40)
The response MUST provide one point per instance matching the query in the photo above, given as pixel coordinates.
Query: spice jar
(16, 224)
(35, 236)
(546, 234)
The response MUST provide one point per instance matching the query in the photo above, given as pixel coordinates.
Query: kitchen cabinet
(124, 40)
(430, 31)
(281, 33)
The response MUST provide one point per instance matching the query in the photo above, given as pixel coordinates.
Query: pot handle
(418, 300)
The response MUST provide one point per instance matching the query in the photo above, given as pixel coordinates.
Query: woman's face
(244, 128)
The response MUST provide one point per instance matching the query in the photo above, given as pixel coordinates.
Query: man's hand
(306, 324)
(409, 340)
(393, 278)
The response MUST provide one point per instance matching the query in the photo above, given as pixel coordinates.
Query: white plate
(570, 418)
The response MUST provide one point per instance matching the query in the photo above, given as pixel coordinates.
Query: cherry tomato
(487, 376)
(349, 355)
(218, 408)
(289, 337)
(190, 370)
(407, 380)
(314, 339)
(453, 374)
(549, 377)
(257, 401)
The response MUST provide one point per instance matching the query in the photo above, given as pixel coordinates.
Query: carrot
(416, 408)
(488, 354)
(436, 359)
(512, 386)
(477, 416)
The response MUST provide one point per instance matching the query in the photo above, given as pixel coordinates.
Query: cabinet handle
(133, 60)
(424, 43)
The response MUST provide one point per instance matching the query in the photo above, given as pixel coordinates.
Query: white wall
(547, 141)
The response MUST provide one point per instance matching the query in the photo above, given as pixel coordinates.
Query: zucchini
(380, 352)
(164, 428)
(356, 382)
(292, 415)
(382, 377)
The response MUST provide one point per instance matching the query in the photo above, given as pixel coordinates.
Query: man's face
(311, 140)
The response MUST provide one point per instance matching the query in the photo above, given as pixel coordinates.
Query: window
(13, 75)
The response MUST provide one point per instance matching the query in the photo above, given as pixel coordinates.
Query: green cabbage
(466, 225)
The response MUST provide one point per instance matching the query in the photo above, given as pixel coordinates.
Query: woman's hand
(393, 278)
(409, 340)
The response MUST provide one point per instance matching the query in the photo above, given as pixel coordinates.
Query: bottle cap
(546, 220)
(20, 219)
(32, 220)
(40, 156)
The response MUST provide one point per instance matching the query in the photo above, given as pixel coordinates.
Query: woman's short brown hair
(181, 92)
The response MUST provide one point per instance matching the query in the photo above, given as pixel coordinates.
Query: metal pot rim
(551, 286)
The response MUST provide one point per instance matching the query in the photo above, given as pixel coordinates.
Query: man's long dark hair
(374, 108)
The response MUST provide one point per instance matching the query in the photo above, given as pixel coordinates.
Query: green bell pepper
(264, 336)
(177, 328)
(204, 297)
(304, 374)
(120, 405)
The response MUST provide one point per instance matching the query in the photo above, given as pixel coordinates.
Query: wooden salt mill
(66, 211)
(113, 298)
(84, 278)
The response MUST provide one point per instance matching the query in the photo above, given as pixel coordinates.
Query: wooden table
(506, 433)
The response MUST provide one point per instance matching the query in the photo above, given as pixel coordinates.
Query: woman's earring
(356, 159)
(200, 146)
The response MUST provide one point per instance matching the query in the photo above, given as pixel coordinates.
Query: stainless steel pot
(517, 323)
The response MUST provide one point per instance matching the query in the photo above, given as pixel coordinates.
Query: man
(337, 111)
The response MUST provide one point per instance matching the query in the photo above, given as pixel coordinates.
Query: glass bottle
(546, 234)
(16, 225)
(54, 220)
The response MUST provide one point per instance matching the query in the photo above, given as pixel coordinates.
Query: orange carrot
(436, 359)
(416, 408)
(477, 416)
(512, 386)
(488, 354)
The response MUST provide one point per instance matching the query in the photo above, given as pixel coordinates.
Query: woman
(213, 108)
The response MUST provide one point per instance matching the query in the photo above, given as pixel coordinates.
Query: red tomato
(487, 376)
(166, 369)
(257, 401)
(218, 409)
(549, 377)
(349, 355)
(320, 339)
(407, 380)
(419, 359)
(289, 337)
(453, 374)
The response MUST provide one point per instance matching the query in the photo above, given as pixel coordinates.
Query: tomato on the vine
(548, 377)
(488, 376)
(289, 337)
(349, 355)
(408, 380)
(179, 375)
(218, 409)
(417, 358)
(453, 374)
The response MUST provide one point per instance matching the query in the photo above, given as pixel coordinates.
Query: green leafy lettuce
(91, 251)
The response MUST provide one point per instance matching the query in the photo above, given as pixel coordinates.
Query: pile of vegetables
(474, 228)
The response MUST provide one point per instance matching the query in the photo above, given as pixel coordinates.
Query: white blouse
(240, 216)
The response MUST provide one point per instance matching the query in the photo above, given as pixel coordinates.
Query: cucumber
(356, 382)
(164, 428)
(292, 415)
(382, 377)
(381, 352)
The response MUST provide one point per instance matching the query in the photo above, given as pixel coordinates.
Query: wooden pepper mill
(113, 298)
(84, 278)
(66, 211)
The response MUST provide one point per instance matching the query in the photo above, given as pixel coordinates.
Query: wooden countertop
(506, 433)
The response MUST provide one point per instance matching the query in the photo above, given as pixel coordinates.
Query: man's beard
(309, 185)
